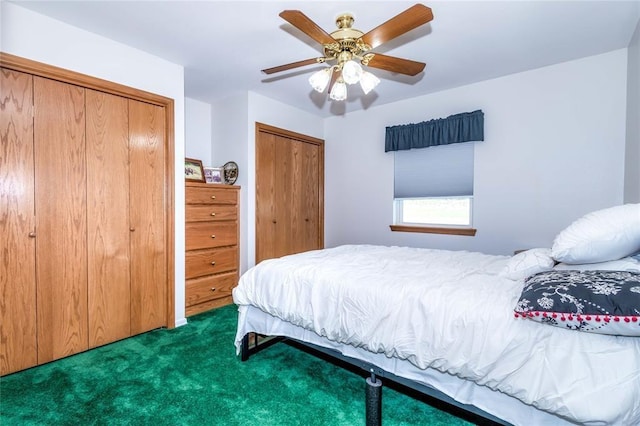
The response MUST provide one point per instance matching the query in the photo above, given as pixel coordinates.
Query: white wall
(37, 37)
(234, 121)
(230, 143)
(197, 118)
(632, 153)
(553, 150)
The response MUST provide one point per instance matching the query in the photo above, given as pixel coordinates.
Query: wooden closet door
(108, 217)
(289, 193)
(18, 348)
(299, 209)
(147, 216)
(61, 218)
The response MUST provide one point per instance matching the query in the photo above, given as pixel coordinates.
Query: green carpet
(191, 376)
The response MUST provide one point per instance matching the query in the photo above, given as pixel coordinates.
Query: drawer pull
(213, 236)
(213, 289)
(213, 214)
(32, 234)
(213, 263)
(213, 197)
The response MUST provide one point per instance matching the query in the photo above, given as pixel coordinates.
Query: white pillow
(625, 264)
(527, 263)
(599, 236)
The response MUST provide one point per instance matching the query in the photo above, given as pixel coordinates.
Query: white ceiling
(223, 45)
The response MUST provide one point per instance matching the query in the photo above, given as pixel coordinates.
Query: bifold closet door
(289, 193)
(17, 224)
(61, 218)
(147, 216)
(109, 292)
(296, 196)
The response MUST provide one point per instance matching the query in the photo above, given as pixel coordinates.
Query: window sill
(470, 232)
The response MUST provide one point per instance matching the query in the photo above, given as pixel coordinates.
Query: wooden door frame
(266, 128)
(29, 66)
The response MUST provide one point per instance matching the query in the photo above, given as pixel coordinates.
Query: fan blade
(393, 64)
(293, 65)
(411, 18)
(307, 26)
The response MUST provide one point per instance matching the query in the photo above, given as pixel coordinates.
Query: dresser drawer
(209, 212)
(200, 290)
(213, 261)
(211, 195)
(200, 235)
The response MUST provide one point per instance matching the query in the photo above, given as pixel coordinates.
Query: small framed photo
(213, 174)
(193, 170)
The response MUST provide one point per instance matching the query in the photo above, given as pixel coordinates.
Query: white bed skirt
(503, 406)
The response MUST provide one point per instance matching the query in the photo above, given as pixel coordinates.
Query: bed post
(374, 400)
(244, 348)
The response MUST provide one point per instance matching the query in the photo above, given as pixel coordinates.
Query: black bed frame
(373, 389)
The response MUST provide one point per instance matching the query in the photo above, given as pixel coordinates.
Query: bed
(463, 323)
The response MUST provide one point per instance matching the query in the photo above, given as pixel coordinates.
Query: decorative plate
(230, 172)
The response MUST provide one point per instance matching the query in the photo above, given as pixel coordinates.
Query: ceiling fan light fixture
(368, 82)
(349, 50)
(351, 72)
(320, 79)
(339, 91)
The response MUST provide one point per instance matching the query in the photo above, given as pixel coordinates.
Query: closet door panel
(309, 204)
(108, 217)
(61, 224)
(297, 196)
(283, 192)
(265, 196)
(147, 216)
(18, 348)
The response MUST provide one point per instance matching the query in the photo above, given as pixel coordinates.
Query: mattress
(446, 315)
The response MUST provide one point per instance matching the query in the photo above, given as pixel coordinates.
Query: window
(433, 211)
(433, 188)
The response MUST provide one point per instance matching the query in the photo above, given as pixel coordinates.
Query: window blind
(438, 171)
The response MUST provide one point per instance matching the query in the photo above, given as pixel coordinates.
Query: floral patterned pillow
(605, 302)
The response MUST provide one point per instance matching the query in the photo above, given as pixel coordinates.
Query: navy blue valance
(464, 127)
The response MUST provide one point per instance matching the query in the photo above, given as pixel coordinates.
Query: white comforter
(450, 311)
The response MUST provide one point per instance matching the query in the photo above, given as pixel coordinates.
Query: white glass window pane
(436, 211)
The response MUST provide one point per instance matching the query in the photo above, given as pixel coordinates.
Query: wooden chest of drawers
(212, 250)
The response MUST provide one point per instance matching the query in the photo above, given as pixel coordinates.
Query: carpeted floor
(191, 376)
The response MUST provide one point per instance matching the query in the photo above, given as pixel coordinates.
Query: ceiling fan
(347, 46)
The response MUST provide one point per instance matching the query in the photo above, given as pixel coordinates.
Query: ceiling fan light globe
(339, 91)
(368, 82)
(351, 72)
(320, 79)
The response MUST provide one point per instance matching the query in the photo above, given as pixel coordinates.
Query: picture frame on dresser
(193, 170)
(213, 174)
